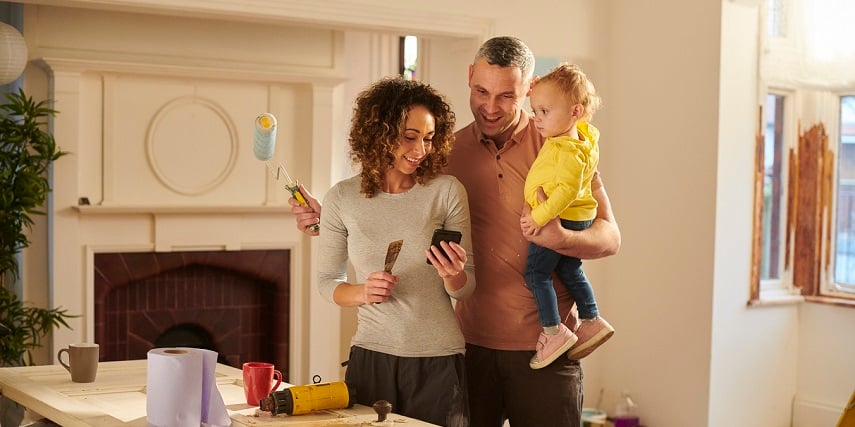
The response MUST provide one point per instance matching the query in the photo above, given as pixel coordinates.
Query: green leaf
(26, 153)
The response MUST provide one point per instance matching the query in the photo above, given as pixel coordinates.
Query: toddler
(563, 103)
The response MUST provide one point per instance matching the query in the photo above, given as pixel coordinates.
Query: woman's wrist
(451, 276)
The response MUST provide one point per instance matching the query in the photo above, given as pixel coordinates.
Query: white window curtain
(826, 33)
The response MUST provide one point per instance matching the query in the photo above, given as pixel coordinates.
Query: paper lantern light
(13, 53)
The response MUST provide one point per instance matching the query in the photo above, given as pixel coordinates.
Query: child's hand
(527, 224)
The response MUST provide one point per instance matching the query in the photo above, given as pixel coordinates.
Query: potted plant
(26, 152)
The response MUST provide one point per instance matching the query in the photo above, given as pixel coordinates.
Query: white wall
(659, 161)
(753, 349)
(826, 375)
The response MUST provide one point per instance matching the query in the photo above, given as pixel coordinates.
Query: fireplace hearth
(233, 302)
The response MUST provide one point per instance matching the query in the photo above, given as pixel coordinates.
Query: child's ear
(531, 85)
(578, 111)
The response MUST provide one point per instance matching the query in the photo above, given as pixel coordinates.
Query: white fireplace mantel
(156, 113)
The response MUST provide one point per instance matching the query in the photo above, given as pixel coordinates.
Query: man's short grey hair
(507, 51)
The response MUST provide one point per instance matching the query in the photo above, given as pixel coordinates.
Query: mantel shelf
(177, 210)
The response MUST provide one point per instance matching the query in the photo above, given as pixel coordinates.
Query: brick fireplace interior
(233, 302)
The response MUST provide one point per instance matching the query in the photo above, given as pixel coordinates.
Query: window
(773, 190)
(844, 231)
(772, 272)
(805, 202)
(409, 54)
(804, 180)
(776, 18)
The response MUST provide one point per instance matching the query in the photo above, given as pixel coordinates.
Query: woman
(408, 348)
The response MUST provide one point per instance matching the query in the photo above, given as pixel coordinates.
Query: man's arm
(600, 240)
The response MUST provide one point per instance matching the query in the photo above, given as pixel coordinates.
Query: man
(491, 158)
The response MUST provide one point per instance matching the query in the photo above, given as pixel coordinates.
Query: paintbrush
(392, 255)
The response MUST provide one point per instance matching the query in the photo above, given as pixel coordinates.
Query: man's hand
(306, 216)
(600, 240)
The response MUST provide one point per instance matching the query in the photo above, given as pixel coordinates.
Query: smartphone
(440, 235)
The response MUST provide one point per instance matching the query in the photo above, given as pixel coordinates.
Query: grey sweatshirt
(418, 320)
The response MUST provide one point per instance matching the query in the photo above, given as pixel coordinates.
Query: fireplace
(233, 302)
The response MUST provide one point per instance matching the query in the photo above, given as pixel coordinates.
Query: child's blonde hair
(574, 85)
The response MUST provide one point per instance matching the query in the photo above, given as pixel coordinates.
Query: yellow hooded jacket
(564, 168)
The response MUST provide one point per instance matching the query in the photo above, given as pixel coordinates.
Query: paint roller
(263, 146)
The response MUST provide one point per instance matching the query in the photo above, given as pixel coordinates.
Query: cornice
(326, 13)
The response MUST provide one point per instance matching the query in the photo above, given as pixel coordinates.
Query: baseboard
(815, 414)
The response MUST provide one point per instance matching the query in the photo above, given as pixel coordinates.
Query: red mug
(257, 377)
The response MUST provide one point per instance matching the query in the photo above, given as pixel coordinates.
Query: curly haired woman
(408, 348)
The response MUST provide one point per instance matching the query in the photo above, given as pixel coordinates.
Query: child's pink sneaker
(550, 347)
(591, 333)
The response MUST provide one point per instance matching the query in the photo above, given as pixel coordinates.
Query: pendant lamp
(13, 53)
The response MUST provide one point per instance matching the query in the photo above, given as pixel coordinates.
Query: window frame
(808, 104)
(784, 290)
(828, 287)
(779, 285)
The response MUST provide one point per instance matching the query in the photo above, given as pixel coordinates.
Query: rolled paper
(181, 389)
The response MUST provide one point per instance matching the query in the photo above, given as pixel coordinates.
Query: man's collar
(521, 124)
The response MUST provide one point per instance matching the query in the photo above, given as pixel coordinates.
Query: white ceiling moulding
(327, 13)
(138, 65)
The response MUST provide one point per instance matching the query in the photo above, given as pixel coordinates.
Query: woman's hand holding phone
(445, 253)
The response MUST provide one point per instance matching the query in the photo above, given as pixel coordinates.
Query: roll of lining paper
(181, 389)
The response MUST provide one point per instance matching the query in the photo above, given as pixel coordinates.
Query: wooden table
(117, 398)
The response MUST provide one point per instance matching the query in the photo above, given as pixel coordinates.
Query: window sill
(838, 301)
(776, 298)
